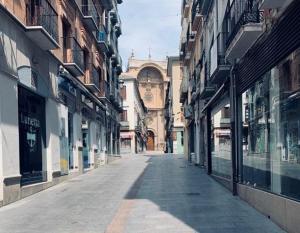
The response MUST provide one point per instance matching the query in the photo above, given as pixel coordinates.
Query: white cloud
(150, 23)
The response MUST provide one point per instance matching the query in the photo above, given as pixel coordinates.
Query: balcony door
(66, 27)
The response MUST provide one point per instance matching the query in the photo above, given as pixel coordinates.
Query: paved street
(142, 194)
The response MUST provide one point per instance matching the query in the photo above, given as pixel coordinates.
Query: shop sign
(31, 125)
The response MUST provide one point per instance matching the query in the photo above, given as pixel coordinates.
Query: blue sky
(149, 23)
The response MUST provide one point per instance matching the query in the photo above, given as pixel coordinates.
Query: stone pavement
(140, 194)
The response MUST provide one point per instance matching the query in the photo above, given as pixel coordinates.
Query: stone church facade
(152, 80)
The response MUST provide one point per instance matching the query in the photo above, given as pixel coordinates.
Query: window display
(271, 130)
(221, 141)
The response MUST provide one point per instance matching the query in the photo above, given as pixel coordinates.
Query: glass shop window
(271, 130)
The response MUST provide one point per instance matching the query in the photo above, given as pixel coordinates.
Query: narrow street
(139, 194)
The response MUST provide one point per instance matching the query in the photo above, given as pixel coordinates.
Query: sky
(153, 24)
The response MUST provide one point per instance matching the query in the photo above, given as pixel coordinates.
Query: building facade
(152, 81)
(174, 119)
(241, 86)
(59, 98)
(133, 118)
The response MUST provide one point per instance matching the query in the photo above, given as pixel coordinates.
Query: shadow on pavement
(172, 196)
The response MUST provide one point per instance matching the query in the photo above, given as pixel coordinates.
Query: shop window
(221, 141)
(126, 143)
(271, 130)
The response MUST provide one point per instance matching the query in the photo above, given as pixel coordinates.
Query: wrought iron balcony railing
(240, 13)
(74, 55)
(89, 10)
(41, 13)
(95, 77)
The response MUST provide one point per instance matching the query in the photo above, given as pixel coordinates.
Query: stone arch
(155, 69)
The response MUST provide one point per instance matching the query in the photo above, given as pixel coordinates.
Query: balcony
(107, 4)
(112, 44)
(112, 92)
(102, 40)
(118, 29)
(188, 112)
(104, 89)
(138, 129)
(187, 57)
(124, 125)
(113, 17)
(191, 40)
(204, 6)
(244, 28)
(119, 68)
(73, 58)
(92, 80)
(41, 25)
(185, 8)
(196, 16)
(207, 92)
(271, 4)
(184, 87)
(90, 16)
(219, 67)
(119, 102)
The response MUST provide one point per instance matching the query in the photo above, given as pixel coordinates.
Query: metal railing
(90, 10)
(104, 89)
(221, 43)
(240, 13)
(95, 77)
(41, 13)
(102, 34)
(75, 54)
(195, 9)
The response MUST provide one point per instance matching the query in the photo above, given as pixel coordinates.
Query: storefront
(67, 97)
(126, 142)
(271, 129)
(32, 136)
(221, 139)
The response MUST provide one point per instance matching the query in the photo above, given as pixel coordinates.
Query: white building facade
(133, 119)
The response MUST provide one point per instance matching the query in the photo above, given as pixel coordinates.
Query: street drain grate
(193, 194)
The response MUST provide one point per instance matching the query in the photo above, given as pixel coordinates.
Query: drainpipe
(234, 136)
(208, 124)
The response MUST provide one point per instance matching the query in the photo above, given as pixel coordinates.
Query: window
(125, 143)
(271, 130)
(123, 92)
(221, 141)
(123, 116)
(86, 60)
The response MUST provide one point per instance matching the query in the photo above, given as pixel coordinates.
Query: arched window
(150, 74)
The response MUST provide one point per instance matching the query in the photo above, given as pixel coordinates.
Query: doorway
(85, 144)
(150, 141)
(31, 136)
